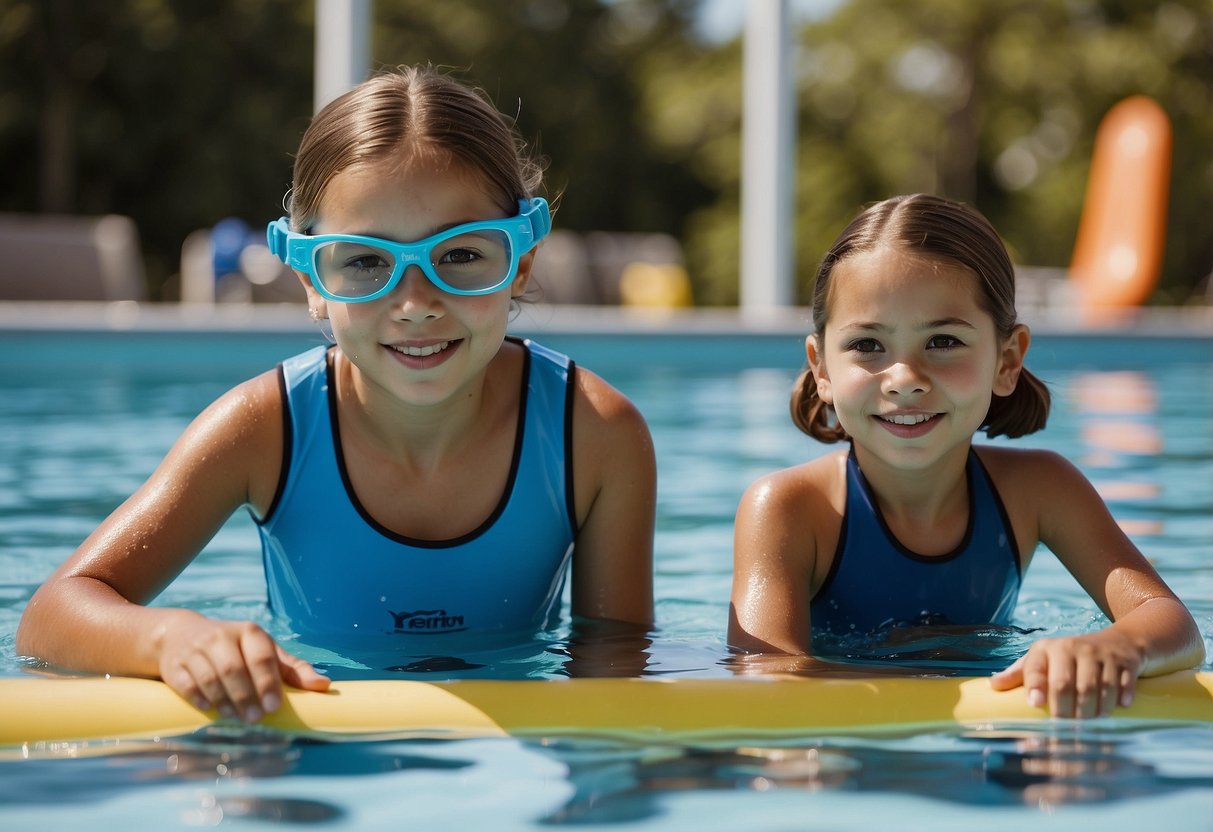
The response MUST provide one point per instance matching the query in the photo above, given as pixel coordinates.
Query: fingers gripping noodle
(40, 710)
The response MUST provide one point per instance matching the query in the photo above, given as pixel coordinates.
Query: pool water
(84, 419)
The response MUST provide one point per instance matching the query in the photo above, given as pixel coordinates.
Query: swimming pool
(87, 413)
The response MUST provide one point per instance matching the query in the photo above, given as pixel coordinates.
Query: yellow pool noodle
(46, 710)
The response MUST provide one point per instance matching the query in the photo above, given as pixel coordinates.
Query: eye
(366, 262)
(944, 342)
(864, 346)
(460, 255)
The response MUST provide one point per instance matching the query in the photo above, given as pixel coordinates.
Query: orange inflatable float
(1119, 249)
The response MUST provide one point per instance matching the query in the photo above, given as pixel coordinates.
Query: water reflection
(225, 762)
(1117, 414)
(975, 768)
(213, 810)
(603, 781)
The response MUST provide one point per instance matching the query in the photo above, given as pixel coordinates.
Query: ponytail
(810, 414)
(1024, 411)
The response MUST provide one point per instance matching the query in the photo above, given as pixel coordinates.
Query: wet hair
(950, 232)
(402, 114)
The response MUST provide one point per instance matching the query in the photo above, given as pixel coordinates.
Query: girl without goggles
(916, 347)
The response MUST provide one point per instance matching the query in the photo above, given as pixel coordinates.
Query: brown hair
(940, 229)
(405, 111)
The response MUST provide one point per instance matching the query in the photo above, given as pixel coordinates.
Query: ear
(1010, 360)
(817, 366)
(525, 263)
(317, 305)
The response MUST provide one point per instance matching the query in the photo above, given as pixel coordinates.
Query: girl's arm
(773, 557)
(90, 614)
(1152, 632)
(615, 491)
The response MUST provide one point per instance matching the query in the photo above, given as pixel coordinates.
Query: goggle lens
(350, 270)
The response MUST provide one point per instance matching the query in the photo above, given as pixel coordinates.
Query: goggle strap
(276, 234)
(540, 216)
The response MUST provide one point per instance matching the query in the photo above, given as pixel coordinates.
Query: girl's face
(909, 359)
(418, 342)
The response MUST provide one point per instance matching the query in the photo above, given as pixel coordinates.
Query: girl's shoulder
(788, 523)
(609, 431)
(801, 489)
(247, 419)
(234, 446)
(252, 406)
(597, 405)
(1034, 482)
(1024, 466)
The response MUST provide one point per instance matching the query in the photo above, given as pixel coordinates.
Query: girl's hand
(1078, 676)
(234, 667)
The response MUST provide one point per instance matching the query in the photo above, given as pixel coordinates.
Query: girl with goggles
(426, 482)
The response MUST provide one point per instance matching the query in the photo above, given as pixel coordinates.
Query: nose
(415, 297)
(904, 378)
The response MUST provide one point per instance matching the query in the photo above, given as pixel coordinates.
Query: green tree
(572, 72)
(995, 103)
(179, 113)
(175, 113)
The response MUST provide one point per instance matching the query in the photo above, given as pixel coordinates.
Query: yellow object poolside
(47, 710)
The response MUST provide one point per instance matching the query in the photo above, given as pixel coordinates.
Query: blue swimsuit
(332, 570)
(875, 582)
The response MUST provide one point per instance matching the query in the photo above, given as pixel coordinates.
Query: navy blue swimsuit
(876, 583)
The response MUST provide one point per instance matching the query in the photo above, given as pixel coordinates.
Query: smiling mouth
(422, 352)
(908, 419)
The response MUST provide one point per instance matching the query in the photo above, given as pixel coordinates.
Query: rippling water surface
(84, 421)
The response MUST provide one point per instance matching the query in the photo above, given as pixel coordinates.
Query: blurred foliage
(179, 114)
(176, 114)
(994, 102)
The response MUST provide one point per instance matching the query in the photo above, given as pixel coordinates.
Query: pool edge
(127, 316)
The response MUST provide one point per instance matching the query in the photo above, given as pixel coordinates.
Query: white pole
(767, 168)
(342, 48)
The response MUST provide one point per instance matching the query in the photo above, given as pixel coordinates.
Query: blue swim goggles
(476, 258)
